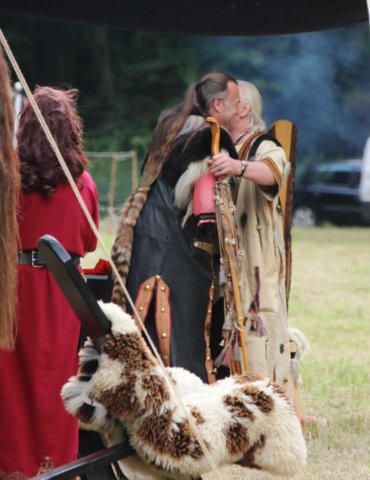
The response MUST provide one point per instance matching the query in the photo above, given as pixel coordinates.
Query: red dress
(33, 421)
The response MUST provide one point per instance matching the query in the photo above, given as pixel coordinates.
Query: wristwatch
(244, 167)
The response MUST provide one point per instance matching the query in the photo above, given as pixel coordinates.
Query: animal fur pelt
(193, 148)
(122, 247)
(242, 419)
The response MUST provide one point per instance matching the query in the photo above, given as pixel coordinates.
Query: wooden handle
(240, 316)
(215, 129)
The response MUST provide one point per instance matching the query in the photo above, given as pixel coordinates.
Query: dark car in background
(329, 191)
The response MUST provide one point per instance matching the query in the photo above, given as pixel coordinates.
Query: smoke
(313, 96)
(318, 80)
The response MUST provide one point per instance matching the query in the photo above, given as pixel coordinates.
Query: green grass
(330, 303)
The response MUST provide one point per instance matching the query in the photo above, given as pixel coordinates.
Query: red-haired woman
(33, 422)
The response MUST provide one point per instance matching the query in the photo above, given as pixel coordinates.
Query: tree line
(318, 80)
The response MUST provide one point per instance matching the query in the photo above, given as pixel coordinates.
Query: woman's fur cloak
(188, 153)
(152, 242)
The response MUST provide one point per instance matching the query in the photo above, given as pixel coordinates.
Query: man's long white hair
(251, 96)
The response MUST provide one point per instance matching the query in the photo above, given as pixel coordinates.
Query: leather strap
(163, 320)
(144, 298)
(207, 336)
(162, 314)
(245, 147)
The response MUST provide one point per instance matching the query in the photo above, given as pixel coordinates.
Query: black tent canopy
(200, 17)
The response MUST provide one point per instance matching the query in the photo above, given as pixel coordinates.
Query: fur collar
(193, 147)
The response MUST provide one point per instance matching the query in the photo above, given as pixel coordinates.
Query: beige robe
(259, 219)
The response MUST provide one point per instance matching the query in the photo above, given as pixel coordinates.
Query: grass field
(330, 303)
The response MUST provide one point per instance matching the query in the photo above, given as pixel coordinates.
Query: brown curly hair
(39, 166)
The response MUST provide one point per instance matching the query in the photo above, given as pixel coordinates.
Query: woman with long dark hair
(166, 254)
(33, 423)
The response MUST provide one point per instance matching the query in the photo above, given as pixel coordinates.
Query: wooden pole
(113, 181)
(215, 129)
(135, 173)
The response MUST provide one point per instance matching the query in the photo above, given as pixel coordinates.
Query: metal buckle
(207, 247)
(34, 259)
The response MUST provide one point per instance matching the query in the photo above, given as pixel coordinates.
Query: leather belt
(34, 258)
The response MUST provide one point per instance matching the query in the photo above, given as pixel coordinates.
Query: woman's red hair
(39, 166)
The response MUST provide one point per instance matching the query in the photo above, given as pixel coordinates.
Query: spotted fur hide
(242, 419)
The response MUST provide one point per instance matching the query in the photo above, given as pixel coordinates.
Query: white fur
(303, 348)
(185, 186)
(121, 321)
(185, 382)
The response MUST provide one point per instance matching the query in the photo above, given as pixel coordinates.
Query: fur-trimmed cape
(187, 149)
(243, 419)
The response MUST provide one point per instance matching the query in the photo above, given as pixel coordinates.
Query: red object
(204, 204)
(101, 268)
(33, 421)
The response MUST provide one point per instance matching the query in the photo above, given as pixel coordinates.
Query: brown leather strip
(245, 147)
(235, 367)
(207, 336)
(163, 320)
(274, 169)
(144, 298)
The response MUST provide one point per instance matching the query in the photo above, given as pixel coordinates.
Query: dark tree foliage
(319, 80)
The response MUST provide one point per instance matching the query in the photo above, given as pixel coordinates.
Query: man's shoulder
(257, 142)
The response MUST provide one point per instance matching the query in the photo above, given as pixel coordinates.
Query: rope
(119, 156)
(71, 181)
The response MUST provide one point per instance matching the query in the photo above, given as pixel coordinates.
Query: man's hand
(222, 164)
